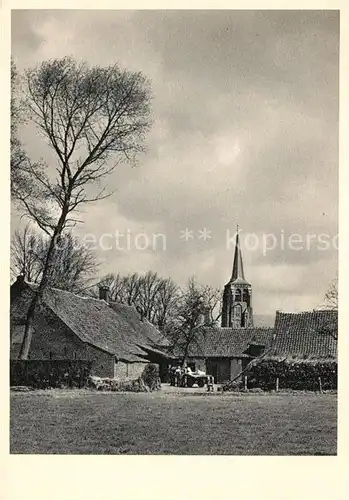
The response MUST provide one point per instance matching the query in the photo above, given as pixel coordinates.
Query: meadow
(87, 422)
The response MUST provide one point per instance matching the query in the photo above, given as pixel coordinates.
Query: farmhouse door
(212, 369)
(219, 368)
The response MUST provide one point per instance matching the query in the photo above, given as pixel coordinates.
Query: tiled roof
(305, 334)
(98, 324)
(227, 342)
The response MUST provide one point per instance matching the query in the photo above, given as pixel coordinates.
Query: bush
(150, 377)
(44, 374)
(293, 374)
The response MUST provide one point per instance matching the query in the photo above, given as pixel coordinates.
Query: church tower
(237, 296)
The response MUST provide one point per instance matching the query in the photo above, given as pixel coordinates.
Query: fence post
(320, 384)
(277, 384)
(245, 382)
(26, 372)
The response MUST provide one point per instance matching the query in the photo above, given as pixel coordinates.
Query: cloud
(245, 130)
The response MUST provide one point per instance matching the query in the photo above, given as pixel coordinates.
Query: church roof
(240, 281)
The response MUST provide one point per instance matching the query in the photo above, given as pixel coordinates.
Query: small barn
(309, 334)
(224, 352)
(303, 355)
(113, 336)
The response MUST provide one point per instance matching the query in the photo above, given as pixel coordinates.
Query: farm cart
(189, 379)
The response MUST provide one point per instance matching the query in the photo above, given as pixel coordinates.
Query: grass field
(159, 423)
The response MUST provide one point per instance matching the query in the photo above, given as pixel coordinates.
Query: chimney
(104, 293)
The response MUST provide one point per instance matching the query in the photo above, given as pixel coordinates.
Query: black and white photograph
(174, 232)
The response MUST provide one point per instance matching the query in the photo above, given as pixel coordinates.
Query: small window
(65, 351)
(243, 320)
(74, 354)
(51, 355)
(237, 311)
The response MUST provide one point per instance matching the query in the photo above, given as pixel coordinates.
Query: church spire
(237, 309)
(238, 267)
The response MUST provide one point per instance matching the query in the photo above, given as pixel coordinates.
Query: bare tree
(88, 116)
(74, 264)
(18, 156)
(123, 289)
(21, 184)
(149, 288)
(165, 302)
(132, 289)
(26, 258)
(331, 296)
(157, 296)
(214, 301)
(194, 309)
(153, 295)
(329, 322)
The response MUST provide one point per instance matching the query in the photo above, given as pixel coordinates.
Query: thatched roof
(305, 334)
(142, 330)
(110, 328)
(226, 342)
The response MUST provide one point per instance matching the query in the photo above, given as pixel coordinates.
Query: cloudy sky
(245, 131)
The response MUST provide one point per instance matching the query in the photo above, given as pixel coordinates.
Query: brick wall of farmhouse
(103, 363)
(52, 339)
(124, 371)
(223, 369)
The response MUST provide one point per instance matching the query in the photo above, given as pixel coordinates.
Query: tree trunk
(185, 355)
(28, 331)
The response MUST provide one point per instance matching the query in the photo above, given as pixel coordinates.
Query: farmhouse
(68, 326)
(225, 352)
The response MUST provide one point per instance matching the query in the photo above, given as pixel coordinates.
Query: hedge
(293, 374)
(44, 374)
